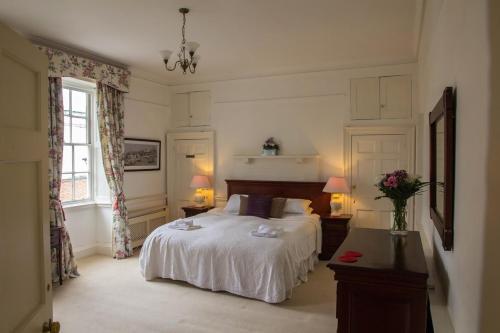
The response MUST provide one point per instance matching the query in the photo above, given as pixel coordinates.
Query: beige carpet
(112, 296)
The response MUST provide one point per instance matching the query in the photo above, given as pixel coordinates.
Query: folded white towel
(183, 224)
(184, 227)
(266, 230)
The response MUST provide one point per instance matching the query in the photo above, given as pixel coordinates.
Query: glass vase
(399, 226)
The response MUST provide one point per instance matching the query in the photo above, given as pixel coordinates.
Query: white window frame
(89, 88)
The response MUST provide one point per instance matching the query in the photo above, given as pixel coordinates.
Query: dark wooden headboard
(301, 190)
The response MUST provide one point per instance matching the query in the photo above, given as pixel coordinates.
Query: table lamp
(200, 183)
(336, 186)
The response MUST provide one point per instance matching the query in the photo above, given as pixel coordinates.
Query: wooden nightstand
(194, 210)
(334, 230)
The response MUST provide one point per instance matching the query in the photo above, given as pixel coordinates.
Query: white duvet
(222, 255)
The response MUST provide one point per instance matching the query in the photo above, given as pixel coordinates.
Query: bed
(223, 256)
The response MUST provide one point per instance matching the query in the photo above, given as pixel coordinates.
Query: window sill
(81, 204)
(86, 204)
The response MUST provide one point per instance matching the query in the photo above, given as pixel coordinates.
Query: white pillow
(297, 206)
(233, 204)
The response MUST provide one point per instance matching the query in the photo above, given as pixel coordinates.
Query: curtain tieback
(56, 204)
(119, 197)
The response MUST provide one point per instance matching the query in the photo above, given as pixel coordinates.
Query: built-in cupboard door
(25, 279)
(395, 97)
(180, 110)
(365, 98)
(199, 107)
(379, 98)
(191, 109)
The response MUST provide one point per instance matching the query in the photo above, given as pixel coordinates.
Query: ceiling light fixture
(186, 63)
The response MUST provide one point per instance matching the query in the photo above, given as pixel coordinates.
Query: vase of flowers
(399, 186)
(270, 147)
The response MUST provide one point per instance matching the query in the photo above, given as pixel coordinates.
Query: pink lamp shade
(200, 182)
(336, 185)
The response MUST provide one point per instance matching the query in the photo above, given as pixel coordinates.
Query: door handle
(51, 327)
(353, 188)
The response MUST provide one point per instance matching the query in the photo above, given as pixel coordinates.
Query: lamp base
(199, 200)
(335, 208)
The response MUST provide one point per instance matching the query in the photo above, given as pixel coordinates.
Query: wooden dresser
(386, 289)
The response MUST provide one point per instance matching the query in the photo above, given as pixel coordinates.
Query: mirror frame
(445, 109)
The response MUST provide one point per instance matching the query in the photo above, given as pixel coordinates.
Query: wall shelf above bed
(298, 158)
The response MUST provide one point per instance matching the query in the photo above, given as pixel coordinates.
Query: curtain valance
(65, 64)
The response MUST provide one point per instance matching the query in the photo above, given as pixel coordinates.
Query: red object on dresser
(348, 259)
(353, 254)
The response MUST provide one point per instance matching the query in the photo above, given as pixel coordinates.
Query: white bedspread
(222, 255)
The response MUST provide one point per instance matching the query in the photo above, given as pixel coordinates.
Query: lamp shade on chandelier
(187, 57)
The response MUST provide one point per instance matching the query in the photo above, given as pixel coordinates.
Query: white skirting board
(86, 251)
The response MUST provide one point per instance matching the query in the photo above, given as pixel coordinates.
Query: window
(77, 168)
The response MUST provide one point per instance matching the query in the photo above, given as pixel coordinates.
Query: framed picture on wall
(142, 154)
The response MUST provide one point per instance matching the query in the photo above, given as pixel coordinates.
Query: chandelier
(186, 62)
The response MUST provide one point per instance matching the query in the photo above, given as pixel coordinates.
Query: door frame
(408, 130)
(171, 137)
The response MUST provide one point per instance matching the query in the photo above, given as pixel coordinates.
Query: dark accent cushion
(243, 205)
(259, 205)
(277, 208)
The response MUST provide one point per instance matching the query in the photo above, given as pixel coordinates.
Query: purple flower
(392, 181)
(400, 174)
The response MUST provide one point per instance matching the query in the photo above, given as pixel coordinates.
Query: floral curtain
(56, 140)
(64, 64)
(111, 132)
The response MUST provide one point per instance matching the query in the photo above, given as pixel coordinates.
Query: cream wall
(491, 276)
(146, 116)
(305, 112)
(454, 51)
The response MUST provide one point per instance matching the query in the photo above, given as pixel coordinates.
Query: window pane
(82, 186)
(66, 188)
(67, 130)
(67, 159)
(79, 130)
(78, 103)
(66, 101)
(82, 159)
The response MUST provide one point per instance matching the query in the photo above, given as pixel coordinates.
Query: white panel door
(180, 110)
(372, 156)
(365, 103)
(25, 281)
(199, 108)
(191, 158)
(395, 97)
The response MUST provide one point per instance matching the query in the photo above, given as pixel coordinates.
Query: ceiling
(239, 38)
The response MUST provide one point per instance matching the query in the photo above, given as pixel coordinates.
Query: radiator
(143, 221)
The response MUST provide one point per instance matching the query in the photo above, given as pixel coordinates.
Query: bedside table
(334, 230)
(194, 210)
